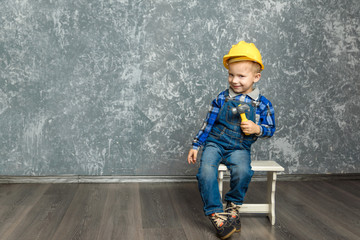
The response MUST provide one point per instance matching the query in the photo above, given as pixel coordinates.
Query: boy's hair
(255, 66)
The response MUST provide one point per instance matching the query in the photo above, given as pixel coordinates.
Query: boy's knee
(241, 172)
(207, 172)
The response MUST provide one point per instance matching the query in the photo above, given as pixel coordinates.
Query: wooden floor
(305, 210)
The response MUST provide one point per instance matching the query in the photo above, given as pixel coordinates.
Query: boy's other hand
(249, 127)
(192, 156)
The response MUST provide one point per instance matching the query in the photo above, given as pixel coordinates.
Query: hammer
(242, 109)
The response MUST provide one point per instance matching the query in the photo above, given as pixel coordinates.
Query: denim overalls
(226, 144)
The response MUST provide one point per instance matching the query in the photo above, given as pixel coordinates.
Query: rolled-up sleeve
(267, 119)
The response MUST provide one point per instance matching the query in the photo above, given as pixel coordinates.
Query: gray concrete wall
(121, 87)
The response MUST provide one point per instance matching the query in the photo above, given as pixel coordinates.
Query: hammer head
(242, 108)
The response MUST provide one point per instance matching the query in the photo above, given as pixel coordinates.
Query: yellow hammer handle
(244, 119)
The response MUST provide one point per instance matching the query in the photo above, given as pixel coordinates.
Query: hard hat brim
(227, 60)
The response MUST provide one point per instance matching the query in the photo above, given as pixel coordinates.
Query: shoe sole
(229, 234)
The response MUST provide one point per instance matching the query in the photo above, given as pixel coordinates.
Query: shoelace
(219, 218)
(233, 209)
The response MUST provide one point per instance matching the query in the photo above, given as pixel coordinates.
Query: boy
(228, 138)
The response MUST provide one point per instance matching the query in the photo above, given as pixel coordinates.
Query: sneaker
(234, 211)
(222, 224)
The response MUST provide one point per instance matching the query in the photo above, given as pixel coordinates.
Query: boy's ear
(257, 77)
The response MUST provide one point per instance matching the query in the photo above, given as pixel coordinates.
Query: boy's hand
(249, 127)
(192, 156)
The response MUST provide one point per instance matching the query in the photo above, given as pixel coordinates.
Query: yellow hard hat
(243, 51)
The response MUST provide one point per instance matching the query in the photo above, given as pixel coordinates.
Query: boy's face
(242, 77)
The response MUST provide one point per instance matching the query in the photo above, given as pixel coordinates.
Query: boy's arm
(267, 119)
(208, 123)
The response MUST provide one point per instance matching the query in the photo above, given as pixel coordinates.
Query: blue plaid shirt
(265, 115)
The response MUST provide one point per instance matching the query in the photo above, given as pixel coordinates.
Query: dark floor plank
(164, 234)
(44, 217)
(188, 206)
(81, 221)
(146, 211)
(304, 208)
(348, 187)
(16, 202)
(296, 206)
(121, 217)
(156, 207)
(332, 207)
(255, 227)
(294, 216)
(338, 190)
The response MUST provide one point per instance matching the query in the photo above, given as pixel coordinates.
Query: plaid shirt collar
(253, 95)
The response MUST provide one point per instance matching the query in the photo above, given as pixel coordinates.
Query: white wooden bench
(271, 167)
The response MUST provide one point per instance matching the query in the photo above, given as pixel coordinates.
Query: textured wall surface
(121, 87)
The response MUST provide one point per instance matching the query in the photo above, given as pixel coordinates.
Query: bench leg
(220, 182)
(271, 187)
